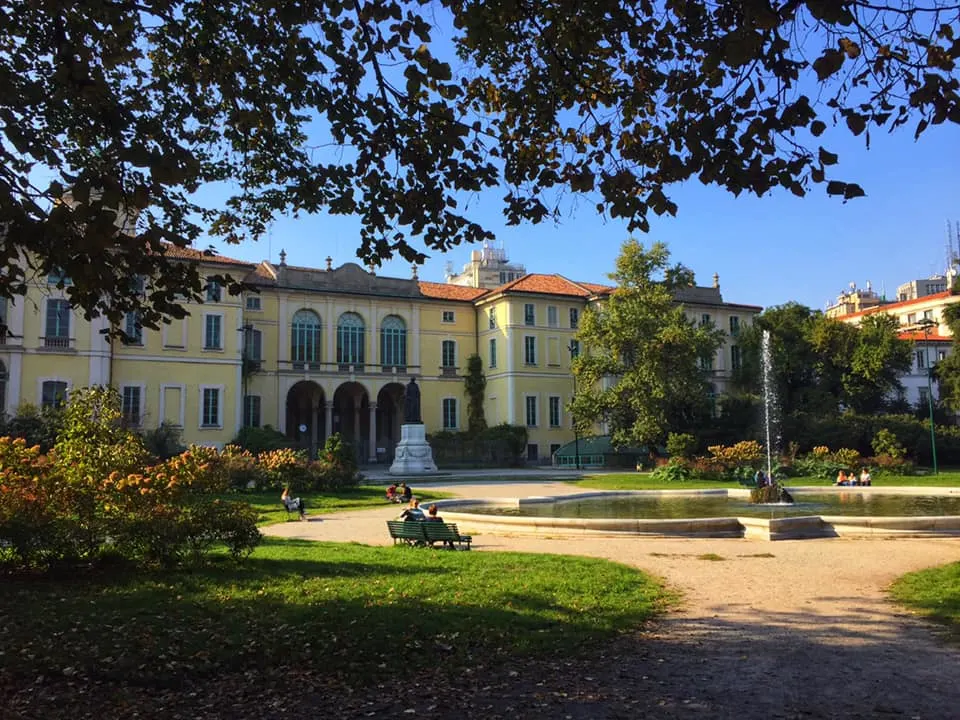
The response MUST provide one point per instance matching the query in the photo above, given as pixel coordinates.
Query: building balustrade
(334, 368)
(56, 342)
(448, 371)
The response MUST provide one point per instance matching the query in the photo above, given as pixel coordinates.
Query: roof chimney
(329, 263)
(283, 257)
(716, 281)
(414, 267)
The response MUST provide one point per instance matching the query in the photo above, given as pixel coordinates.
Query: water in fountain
(774, 492)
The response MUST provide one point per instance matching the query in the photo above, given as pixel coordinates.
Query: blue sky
(767, 251)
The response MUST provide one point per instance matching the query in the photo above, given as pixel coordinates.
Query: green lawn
(644, 481)
(337, 609)
(935, 593)
(272, 511)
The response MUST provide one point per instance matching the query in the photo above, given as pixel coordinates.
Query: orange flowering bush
(93, 495)
(745, 452)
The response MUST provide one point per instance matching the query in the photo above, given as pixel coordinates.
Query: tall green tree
(644, 356)
(947, 371)
(474, 384)
(359, 108)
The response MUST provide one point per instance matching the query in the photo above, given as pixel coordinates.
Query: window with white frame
(449, 413)
(574, 348)
(57, 327)
(305, 337)
(448, 353)
(734, 326)
(921, 359)
(133, 329)
(529, 350)
(57, 277)
(493, 352)
(448, 316)
(253, 302)
(553, 316)
(130, 405)
(529, 314)
(705, 319)
(736, 359)
(251, 411)
(531, 408)
(351, 339)
(492, 315)
(574, 318)
(214, 291)
(213, 332)
(53, 394)
(210, 410)
(941, 354)
(393, 342)
(924, 396)
(554, 409)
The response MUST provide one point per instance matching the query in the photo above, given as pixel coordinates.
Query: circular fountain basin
(816, 512)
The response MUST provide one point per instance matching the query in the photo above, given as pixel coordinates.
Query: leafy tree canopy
(351, 107)
(821, 364)
(643, 356)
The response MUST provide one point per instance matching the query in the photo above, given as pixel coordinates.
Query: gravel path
(788, 629)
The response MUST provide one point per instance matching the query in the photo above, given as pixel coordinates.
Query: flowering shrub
(285, 468)
(745, 452)
(93, 495)
(886, 443)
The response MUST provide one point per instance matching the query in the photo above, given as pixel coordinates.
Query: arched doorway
(353, 419)
(306, 416)
(389, 418)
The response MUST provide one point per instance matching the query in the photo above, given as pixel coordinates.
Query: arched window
(305, 338)
(393, 342)
(350, 339)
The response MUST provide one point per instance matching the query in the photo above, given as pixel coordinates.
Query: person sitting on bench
(412, 512)
(293, 504)
(432, 514)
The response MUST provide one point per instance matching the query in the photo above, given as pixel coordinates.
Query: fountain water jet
(773, 492)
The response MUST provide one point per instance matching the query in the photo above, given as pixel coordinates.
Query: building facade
(314, 351)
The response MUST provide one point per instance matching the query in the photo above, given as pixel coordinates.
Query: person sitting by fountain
(842, 478)
(758, 479)
(392, 494)
(865, 478)
(432, 514)
(412, 513)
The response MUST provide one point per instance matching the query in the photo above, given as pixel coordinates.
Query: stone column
(314, 430)
(328, 420)
(372, 434)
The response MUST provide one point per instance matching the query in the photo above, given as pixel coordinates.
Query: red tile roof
(897, 305)
(189, 253)
(546, 285)
(597, 289)
(446, 291)
(918, 336)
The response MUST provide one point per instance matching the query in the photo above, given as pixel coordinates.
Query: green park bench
(423, 533)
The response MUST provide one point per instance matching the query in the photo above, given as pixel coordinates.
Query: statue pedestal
(413, 455)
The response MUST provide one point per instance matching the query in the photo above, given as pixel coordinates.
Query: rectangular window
(553, 448)
(448, 316)
(911, 319)
(533, 452)
(130, 407)
(212, 332)
(574, 318)
(531, 415)
(705, 319)
(735, 359)
(252, 344)
(493, 353)
(132, 329)
(253, 302)
(214, 291)
(734, 326)
(57, 323)
(251, 411)
(921, 359)
(706, 363)
(924, 396)
(529, 350)
(493, 318)
(553, 317)
(448, 354)
(449, 414)
(211, 407)
(554, 411)
(529, 314)
(574, 349)
(941, 354)
(53, 394)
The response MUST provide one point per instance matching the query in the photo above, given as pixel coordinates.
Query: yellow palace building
(313, 351)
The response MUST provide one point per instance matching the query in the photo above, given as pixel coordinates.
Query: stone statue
(411, 403)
